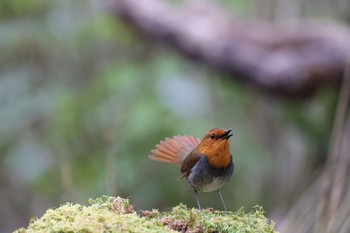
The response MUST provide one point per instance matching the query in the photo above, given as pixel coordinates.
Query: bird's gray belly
(204, 178)
(206, 185)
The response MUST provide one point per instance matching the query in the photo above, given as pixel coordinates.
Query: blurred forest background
(84, 98)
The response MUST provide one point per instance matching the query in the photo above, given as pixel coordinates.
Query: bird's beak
(226, 135)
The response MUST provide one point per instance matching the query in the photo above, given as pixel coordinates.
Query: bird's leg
(197, 199)
(222, 200)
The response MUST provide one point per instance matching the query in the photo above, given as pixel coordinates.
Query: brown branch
(283, 60)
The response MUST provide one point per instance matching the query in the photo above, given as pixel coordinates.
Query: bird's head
(216, 147)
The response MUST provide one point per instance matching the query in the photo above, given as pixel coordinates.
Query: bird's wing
(189, 162)
(174, 150)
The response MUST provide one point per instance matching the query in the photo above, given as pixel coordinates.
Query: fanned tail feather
(174, 150)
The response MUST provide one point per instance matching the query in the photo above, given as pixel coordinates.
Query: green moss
(109, 214)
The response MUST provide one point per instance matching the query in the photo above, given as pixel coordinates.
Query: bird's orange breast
(218, 153)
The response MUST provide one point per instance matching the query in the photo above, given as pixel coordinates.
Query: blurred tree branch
(289, 61)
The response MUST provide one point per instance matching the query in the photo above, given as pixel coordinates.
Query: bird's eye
(212, 136)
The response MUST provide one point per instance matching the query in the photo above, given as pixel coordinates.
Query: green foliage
(109, 214)
(18, 7)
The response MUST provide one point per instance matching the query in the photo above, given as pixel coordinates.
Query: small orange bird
(206, 164)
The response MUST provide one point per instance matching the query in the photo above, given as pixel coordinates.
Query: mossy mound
(109, 214)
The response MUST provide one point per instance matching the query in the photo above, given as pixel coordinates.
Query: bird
(206, 164)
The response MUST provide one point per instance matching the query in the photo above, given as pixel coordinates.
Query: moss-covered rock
(109, 214)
